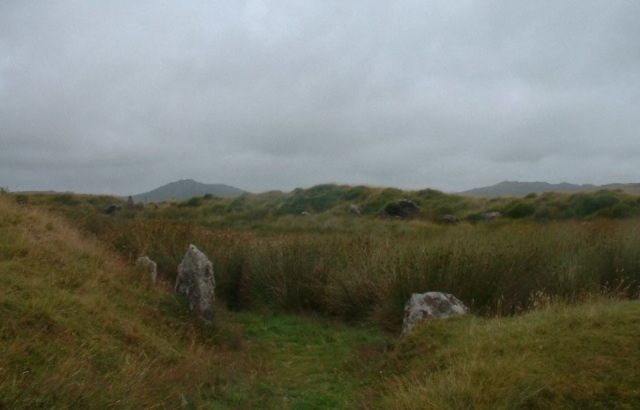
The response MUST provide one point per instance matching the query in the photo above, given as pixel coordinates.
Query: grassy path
(287, 362)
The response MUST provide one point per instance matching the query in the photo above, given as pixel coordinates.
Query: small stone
(490, 216)
(355, 210)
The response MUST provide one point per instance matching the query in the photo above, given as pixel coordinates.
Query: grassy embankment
(81, 328)
(77, 317)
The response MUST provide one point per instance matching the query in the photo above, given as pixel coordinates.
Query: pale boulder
(430, 305)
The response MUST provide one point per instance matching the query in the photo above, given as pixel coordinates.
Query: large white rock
(430, 305)
(196, 282)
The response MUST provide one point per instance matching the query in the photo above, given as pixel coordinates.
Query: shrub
(521, 210)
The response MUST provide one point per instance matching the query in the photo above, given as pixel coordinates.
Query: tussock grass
(557, 357)
(497, 269)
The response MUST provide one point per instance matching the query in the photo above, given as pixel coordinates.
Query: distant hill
(185, 189)
(515, 188)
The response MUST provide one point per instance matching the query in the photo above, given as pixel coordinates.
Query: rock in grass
(149, 266)
(491, 216)
(195, 281)
(449, 219)
(430, 305)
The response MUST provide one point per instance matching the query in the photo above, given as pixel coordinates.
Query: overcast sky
(123, 96)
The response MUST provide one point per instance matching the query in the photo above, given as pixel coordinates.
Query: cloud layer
(121, 96)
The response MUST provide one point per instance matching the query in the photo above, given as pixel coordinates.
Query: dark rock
(111, 209)
(402, 208)
(196, 282)
(430, 305)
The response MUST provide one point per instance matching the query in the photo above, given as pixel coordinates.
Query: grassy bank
(83, 329)
(558, 357)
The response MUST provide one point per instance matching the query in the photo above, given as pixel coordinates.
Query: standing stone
(130, 203)
(195, 281)
(149, 266)
(355, 209)
(430, 305)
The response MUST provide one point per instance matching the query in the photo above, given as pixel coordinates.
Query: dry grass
(82, 329)
(497, 269)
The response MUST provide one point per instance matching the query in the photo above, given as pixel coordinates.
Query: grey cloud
(123, 96)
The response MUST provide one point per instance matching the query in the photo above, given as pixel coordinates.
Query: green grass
(300, 363)
(580, 357)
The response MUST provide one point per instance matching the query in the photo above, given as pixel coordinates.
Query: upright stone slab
(195, 281)
(430, 305)
(145, 263)
(355, 210)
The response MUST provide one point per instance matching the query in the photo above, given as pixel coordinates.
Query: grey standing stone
(196, 282)
(355, 209)
(144, 262)
(430, 305)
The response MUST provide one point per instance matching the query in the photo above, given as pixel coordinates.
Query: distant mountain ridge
(185, 189)
(515, 188)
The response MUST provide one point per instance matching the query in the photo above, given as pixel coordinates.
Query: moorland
(310, 300)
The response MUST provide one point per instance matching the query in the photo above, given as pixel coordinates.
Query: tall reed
(497, 269)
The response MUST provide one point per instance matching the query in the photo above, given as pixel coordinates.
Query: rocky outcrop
(430, 305)
(149, 266)
(196, 282)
